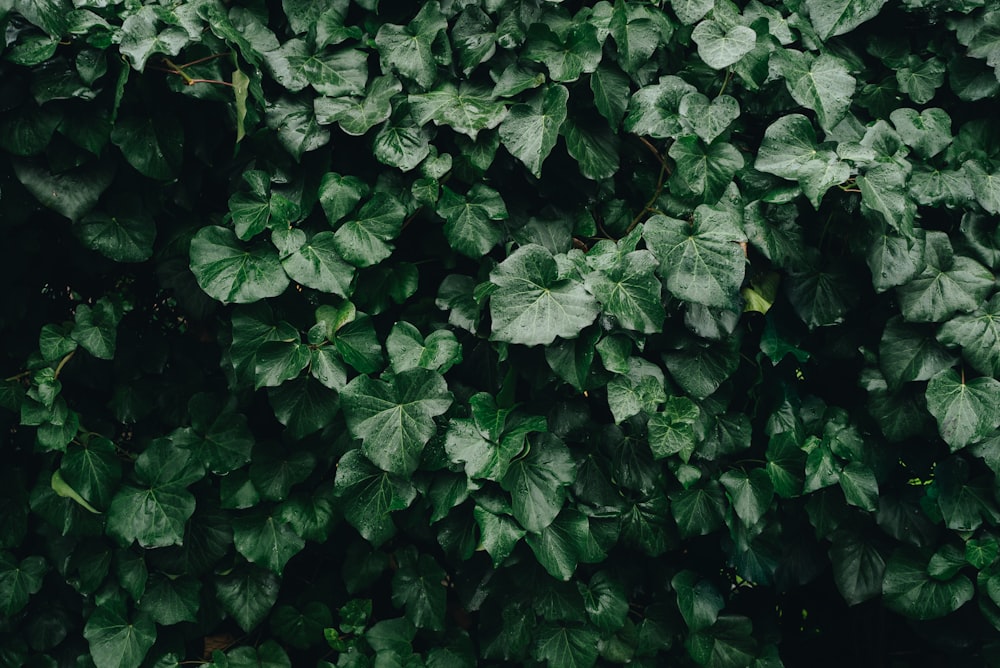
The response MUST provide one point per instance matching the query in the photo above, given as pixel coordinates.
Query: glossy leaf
(531, 129)
(117, 641)
(232, 272)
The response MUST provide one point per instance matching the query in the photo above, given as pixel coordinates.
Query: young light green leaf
(531, 129)
(395, 419)
(966, 411)
(233, 272)
(116, 641)
(532, 305)
(701, 260)
(719, 47)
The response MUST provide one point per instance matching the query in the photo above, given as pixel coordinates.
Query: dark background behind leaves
(509, 331)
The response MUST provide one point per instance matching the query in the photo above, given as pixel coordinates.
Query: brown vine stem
(188, 80)
(648, 207)
(17, 376)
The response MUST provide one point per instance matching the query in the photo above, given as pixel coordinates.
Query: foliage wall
(499, 331)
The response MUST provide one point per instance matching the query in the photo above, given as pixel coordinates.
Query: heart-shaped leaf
(708, 119)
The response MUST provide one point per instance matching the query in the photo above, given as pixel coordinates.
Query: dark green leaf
(92, 470)
(720, 47)
(408, 49)
(978, 334)
(418, 586)
(836, 17)
(233, 272)
(171, 600)
(315, 263)
(469, 219)
(531, 129)
(19, 581)
(247, 594)
(123, 238)
(116, 641)
(153, 145)
(699, 511)
(909, 590)
(565, 645)
(265, 539)
(703, 171)
(369, 496)
(71, 193)
(698, 600)
(947, 284)
(467, 109)
(750, 494)
(364, 239)
(566, 58)
(303, 405)
(966, 412)
(538, 481)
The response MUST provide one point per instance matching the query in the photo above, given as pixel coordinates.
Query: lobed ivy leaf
(470, 225)
(314, 261)
(537, 482)
(720, 46)
(908, 589)
(790, 150)
(858, 567)
(821, 83)
(409, 49)
(708, 118)
(637, 33)
(985, 186)
(364, 239)
(703, 171)
(19, 581)
(122, 238)
(407, 349)
(978, 334)
(93, 470)
(531, 129)
(654, 110)
(966, 411)
(265, 539)
(369, 495)
(909, 353)
(565, 57)
(610, 87)
(356, 115)
(303, 405)
(233, 272)
(170, 601)
(466, 109)
(473, 37)
(418, 586)
(836, 17)
(671, 431)
(247, 594)
(928, 132)
(948, 284)
(395, 419)
(532, 305)
(749, 493)
(117, 641)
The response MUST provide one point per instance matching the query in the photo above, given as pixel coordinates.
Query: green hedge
(499, 331)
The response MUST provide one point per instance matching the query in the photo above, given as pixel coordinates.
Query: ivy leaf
(883, 192)
(564, 543)
(314, 263)
(836, 17)
(594, 147)
(369, 495)
(610, 87)
(19, 581)
(117, 641)
(966, 412)
(303, 405)
(233, 272)
(155, 512)
(927, 132)
(409, 49)
(671, 431)
(473, 37)
(605, 601)
(154, 145)
(698, 600)
(626, 286)
(395, 419)
(858, 567)
(921, 79)
(71, 193)
(704, 171)
(409, 350)
(709, 119)
(790, 150)
(264, 539)
(985, 186)
(909, 590)
(338, 195)
(93, 470)
(364, 239)
(978, 334)
(729, 643)
(247, 594)
(96, 328)
(141, 37)
(718, 47)
(821, 83)
(654, 110)
(566, 645)
(750, 493)
(122, 238)
(636, 33)
(699, 511)
(356, 115)
(469, 219)
(418, 586)
(467, 109)
(566, 59)
(948, 283)
(294, 122)
(908, 353)
(171, 600)
(538, 481)
(689, 11)
(701, 260)
(498, 533)
(531, 129)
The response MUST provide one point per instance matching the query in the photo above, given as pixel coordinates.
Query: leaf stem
(66, 358)
(725, 82)
(17, 376)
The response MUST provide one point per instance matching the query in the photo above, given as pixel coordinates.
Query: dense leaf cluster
(352, 333)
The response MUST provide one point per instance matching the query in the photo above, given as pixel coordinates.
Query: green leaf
(836, 17)
(331, 73)
(247, 594)
(947, 284)
(301, 627)
(908, 353)
(141, 37)
(566, 645)
(785, 465)
(909, 590)
(117, 641)
(473, 37)
(719, 47)
(264, 539)
(469, 219)
(985, 186)
(152, 145)
(594, 147)
(356, 115)
(822, 294)
(978, 334)
(338, 195)
(654, 110)
(364, 239)
(709, 118)
(93, 470)
(294, 122)
(233, 272)
(701, 260)
(564, 543)
(921, 79)
(532, 305)
(966, 412)
(749, 493)
(698, 600)
(671, 431)
(611, 92)
(369, 495)
(700, 510)
(409, 49)
(71, 193)
(700, 368)
(171, 600)
(278, 361)
(636, 31)
(605, 601)
(409, 350)
(626, 286)
(728, 643)
(790, 150)
(155, 511)
(883, 192)
(858, 567)
(19, 581)
(303, 405)
(689, 11)
(566, 58)
(418, 586)
(402, 143)
(358, 345)
(218, 436)
(395, 419)
(122, 238)
(538, 481)
(928, 132)
(466, 109)
(821, 83)
(96, 328)
(982, 553)
(860, 486)
(531, 129)
(315, 263)
(703, 171)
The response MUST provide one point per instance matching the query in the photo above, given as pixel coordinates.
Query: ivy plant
(546, 333)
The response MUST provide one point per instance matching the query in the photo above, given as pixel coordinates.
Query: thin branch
(648, 208)
(17, 376)
(66, 358)
(656, 153)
